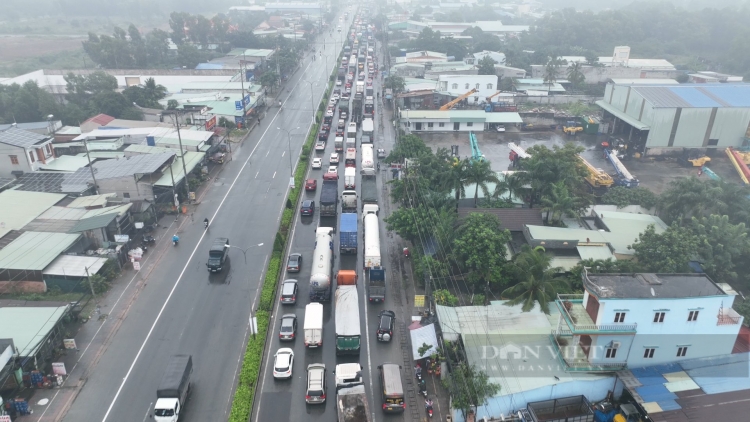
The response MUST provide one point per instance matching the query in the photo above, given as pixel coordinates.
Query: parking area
(654, 173)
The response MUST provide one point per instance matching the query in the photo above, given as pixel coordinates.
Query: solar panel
(20, 138)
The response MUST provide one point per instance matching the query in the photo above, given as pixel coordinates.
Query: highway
(284, 400)
(184, 310)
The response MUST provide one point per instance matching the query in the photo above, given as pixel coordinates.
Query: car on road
(338, 82)
(283, 361)
(308, 207)
(333, 169)
(361, 77)
(334, 158)
(345, 95)
(316, 383)
(294, 263)
(317, 163)
(289, 292)
(334, 97)
(311, 184)
(381, 153)
(288, 328)
(386, 320)
(320, 146)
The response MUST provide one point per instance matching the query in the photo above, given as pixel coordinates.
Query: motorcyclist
(427, 403)
(175, 238)
(205, 222)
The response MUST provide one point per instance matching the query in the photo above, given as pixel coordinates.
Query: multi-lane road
(284, 400)
(183, 309)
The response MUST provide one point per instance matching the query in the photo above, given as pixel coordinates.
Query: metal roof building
(657, 118)
(31, 326)
(454, 120)
(19, 208)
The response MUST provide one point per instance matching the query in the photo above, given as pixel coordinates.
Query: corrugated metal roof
(600, 252)
(19, 207)
(21, 138)
(33, 251)
(30, 326)
(192, 160)
(75, 265)
(95, 222)
(117, 209)
(622, 116)
(696, 96)
(66, 163)
(91, 201)
(129, 166)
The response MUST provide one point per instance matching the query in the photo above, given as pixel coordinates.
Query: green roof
(192, 159)
(596, 252)
(30, 325)
(20, 207)
(95, 222)
(33, 251)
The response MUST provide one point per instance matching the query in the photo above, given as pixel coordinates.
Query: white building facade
(457, 85)
(23, 151)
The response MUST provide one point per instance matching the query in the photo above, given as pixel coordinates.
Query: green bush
(286, 218)
(278, 243)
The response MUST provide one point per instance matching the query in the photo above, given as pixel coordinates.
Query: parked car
(386, 321)
(288, 328)
(294, 263)
(311, 184)
(317, 163)
(334, 158)
(500, 128)
(316, 383)
(308, 207)
(289, 292)
(283, 361)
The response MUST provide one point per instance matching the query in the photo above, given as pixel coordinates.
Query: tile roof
(21, 138)
(100, 119)
(513, 219)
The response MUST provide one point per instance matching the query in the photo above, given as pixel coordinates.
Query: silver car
(316, 383)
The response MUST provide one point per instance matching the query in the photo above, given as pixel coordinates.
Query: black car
(288, 328)
(308, 207)
(289, 292)
(386, 320)
(294, 264)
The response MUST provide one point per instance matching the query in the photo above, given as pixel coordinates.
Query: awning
(600, 252)
(75, 266)
(622, 116)
(192, 159)
(421, 336)
(503, 117)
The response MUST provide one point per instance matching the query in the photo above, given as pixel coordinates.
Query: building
(309, 9)
(49, 127)
(22, 151)
(23, 260)
(509, 72)
(37, 333)
(425, 57)
(434, 70)
(658, 118)
(712, 77)
(454, 29)
(454, 120)
(538, 87)
(458, 85)
(634, 320)
(475, 58)
(95, 122)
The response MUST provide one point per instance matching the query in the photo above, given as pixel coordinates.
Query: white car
(320, 146)
(283, 361)
(334, 158)
(334, 97)
(317, 163)
(500, 128)
(333, 169)
(338, 82)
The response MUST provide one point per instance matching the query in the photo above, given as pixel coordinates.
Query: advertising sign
(211, 123)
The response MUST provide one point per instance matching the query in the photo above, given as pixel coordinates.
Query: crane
(516, 153)
(489, 99)
(476, 154)
(506, 106)
(597, 178)
(450, 105)
(624, 178)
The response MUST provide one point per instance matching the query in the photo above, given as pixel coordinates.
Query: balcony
(574, 358)
(728, 316)
(579, 322)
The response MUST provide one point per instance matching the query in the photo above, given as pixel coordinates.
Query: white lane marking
(283, 153)
(274, 175)
(256, 174)
(148, 409)
(269, 151)
(367, 333)
(179, 278)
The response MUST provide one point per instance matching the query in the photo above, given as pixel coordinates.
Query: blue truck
(348, 233)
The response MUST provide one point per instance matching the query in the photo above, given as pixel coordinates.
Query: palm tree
(558, 202)
(533, 265)
(480, 174)
(550, 71)
(513, 184)
(154, 92)
(455, 178)
(575, 74)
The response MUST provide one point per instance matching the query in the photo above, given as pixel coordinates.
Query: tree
(188, 56)
(721, 244)
(548, 166)
(532, 267)
(480, 247)
(178, 22)
(575, 75)
(469, 386)
(682, 78)
(269, 79)
(513, 184)
(455, 179)
(479, 173)
(110, 103)
(409, 146)
(172, 105)
(395, 83)
(558, 202)
(154, 92)
(444, 297)
(551, 70)
(667, 252)
(486, 66)
(622, 197)
(690, 197)
(600, 266)
(419, 223)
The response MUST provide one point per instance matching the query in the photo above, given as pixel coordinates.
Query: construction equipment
(489, 99)
(624, 178)
(516, 153)
(499, 106)
(476, 154)
(710, 173)
(597, 178)
(694, 158)
(737, 160)
(460, 98)
(572, 127)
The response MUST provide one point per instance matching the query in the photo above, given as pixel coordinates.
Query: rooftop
(56, 182)
(696, 96)
(624, 81)
(192, 160)
(512, 219)
(19, 207)
(91, 201)
(479, 116)
(33, 251)
(30, 326)
(75, 266)
(648, 285)
(94, 222)
(21, 138)
(56, 220)
(66, 163)
(129, 166)
(99, 119)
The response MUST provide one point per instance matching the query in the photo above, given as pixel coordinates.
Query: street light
(312, 101)
(289, 143)
(244, 251)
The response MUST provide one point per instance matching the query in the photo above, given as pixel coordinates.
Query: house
(633, 320)
(95, 122)
(458, 85)
(23, 260)
(48, 127)
(22, 151)
(454, 120)
(509, 72)
(425, 57)
(475, 58)
(37, 332)
(537, 86)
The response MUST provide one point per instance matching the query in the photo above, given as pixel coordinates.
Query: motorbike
(423, 388)
(418, 372)
(205, 223)
(428, 408)
(148, 240)
(175, 240)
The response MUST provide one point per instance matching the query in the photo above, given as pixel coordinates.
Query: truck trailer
(322, 265)
(351, 405)
(348, 335)
(372, 241)
(173, 389)
(313, 325)
(348, 232)
(329, 198)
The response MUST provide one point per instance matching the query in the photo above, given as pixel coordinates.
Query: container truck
(338, 144)
(351, 130)
(348, 375)
(350, 174)
(351, 405)
(368, 129)
(351, 143)
(343, 109)
(369, 194)
(313, 325)
(173, 389)
(322, 265)
(348, 230)
(360, 90)
(356, 109)
(329, 198)
(372, 241)
(376, 284)
(368, 161)
(348, 202)
(348, 335)
(369, 108)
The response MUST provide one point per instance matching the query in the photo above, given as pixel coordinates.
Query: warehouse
(657, 119)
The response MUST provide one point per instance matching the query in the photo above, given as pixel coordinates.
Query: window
(693, 316)
(441, 124)
(713, 142)
(659, 316)
(455, 86)
(489, 86)
(31, 156)
(681, 351)
(467, 86)
(620, 317)
(429, 124)
(13, 159)
(476, 86)
(648, 353)
(470, 124)
(611, 353)
(126, 194)
(49, 149)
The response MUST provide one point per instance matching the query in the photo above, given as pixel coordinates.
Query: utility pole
(175, 115)
(242, 85)
(91, 168)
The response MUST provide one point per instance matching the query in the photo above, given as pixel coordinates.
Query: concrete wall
(5, 164)
(141, 190)
(602, 74)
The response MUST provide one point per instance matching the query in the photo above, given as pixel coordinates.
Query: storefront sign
(211, 123)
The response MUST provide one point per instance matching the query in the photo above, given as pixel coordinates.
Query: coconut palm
(154, 92)
(513, 184)
(536, 286)
(575, 74)
(454, 179)
(480, 174)
(558, 202)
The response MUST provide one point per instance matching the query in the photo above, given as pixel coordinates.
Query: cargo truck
(376, 284)
(338, 144)
(348, 375)
(368, 129)
(349, 201)
(348, 230)
(322, 265)
(329, 198)
(348, 335)
(372, 241)
(343, 109)
(356, 111)
(369, 108)
(368, 161)
(351, 405)
(313, 325)
(350, 174)
(173, 389)
(350, 159)
(369, 194)
(351, 143)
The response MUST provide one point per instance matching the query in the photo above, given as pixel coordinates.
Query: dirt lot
(652, 174)
(14, 48)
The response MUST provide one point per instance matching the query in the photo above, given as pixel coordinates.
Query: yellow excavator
(572, 127)
(450, 105)
(597, 178)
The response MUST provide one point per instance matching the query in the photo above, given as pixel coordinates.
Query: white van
(350, 173)
(314, 325)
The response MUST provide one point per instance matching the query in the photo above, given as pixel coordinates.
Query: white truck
(349, 201)
(348, 375)
(351, 405)
(313, 325)
(322, 266)
(368, 162)
(350, 174)
(339, 143)
(368, 129)
(173, 389)
(351, 143)
(372, 241)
